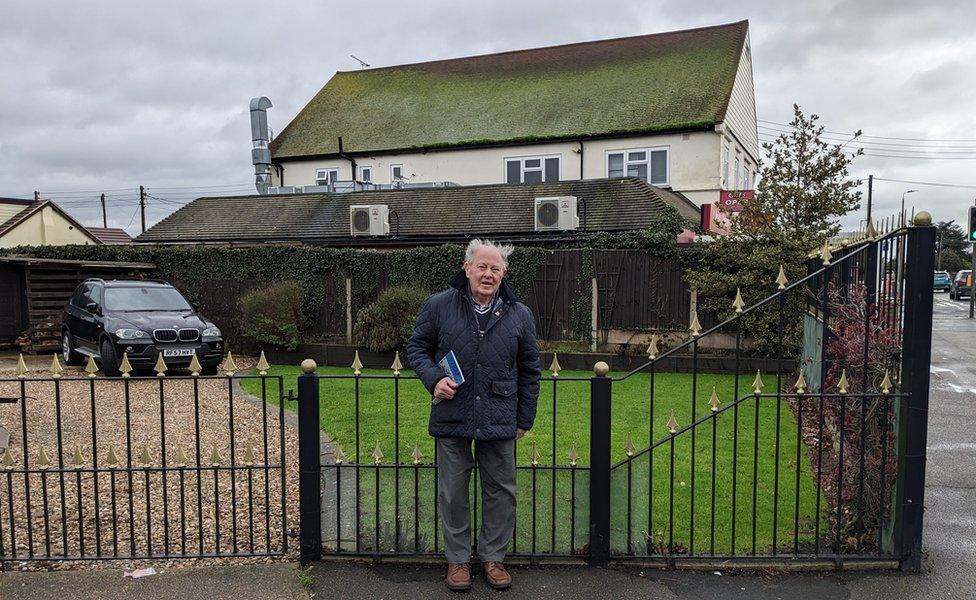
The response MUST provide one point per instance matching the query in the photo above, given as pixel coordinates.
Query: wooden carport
(34, 292)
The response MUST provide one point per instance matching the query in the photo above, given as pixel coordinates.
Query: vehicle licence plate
(177, 352)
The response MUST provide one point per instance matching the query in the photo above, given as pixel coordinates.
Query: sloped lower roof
(500, 209)
(111, 235)
(644, 84)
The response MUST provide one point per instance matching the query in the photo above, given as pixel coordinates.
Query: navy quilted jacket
(501, 367)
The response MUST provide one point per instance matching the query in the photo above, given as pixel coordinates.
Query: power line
(879, 137)
(770, 131)
(929, 183)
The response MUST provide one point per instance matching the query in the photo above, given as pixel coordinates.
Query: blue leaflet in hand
(451, 368)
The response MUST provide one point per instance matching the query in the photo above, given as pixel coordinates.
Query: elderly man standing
(492, 335)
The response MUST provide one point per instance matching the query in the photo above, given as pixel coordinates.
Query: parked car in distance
(143, 319)
(942, 282)
(962, 285)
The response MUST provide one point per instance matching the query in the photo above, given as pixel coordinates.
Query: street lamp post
(902, 213)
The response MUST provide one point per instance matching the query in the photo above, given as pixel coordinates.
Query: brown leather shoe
(458, 577)
(496, 575)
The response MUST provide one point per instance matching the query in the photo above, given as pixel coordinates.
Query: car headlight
(211, 332)
(130, 334)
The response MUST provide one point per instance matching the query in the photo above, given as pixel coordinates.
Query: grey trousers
(496, 465)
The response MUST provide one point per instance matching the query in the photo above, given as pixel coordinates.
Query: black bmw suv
(105, 319)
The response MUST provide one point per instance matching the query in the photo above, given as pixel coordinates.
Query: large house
(674, 109)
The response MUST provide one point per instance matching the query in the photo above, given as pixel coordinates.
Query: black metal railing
(816, 459)
(133, 468)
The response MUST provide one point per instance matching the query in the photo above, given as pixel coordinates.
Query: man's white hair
(476, 244)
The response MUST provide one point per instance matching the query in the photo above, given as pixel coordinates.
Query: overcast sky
(107, 96)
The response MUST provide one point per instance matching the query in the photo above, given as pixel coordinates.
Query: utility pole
(972, 266)
(142, 206)
(37, 195)
(104, 216)
(870, 188)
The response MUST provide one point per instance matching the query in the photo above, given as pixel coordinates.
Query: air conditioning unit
(369, 219)
(556, 214)
(287, 189)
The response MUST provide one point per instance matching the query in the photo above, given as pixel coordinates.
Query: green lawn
(630, 421)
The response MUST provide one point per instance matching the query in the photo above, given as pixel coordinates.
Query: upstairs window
(736, 174)
(649, 164)
(366, 174)
(532, 169)
(326, 176)
(396, 173)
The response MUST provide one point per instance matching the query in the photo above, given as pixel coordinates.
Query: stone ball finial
(308, 366)
(922, 219)
(601, 369)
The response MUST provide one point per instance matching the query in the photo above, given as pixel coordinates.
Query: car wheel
(110, 363)
(68, 353)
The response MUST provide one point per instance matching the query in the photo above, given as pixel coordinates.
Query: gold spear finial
(652, 349)
(230, 367)
(43, 461)
(801, 383)
(573, 456)
(713, 401)
(56, 368)
(554, 367)
(825, 254)
(112, 458)
(842, 384)
(397, 366)
(215, 458)
(180, 458)
(781, 279)
(263, 365)
(8, 460)
(126, 367)
(160, 367)
(357, 365)
(195, 366)
(145, 458)
(738, 304)
(77, 460)
(695, 326)
(886, 383)
(377, 454)
(757, 383)
(91, 368)
(21, 367)
(629, 447)
(250, 456)
(417, 456)
(534, 455)
(339, 455)
(672, 423)
(871, 233)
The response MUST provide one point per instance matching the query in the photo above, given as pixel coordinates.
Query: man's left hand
(519, 433)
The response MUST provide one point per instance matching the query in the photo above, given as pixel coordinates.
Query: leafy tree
(804, 188)
(952, 246)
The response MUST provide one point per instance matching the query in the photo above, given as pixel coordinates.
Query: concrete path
(271, 581)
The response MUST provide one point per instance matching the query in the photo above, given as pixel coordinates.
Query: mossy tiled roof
(422, 213)
(660, 82)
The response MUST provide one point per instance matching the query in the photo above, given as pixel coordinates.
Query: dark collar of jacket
(505, 292)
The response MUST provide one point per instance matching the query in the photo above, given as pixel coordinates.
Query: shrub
(272, 314)
(387, 323)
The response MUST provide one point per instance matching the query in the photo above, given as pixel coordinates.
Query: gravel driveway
(146, 512)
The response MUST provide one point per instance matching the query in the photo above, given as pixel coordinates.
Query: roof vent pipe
(260, 154)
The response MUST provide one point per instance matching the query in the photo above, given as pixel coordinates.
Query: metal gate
(140, 467)
(784, 458)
